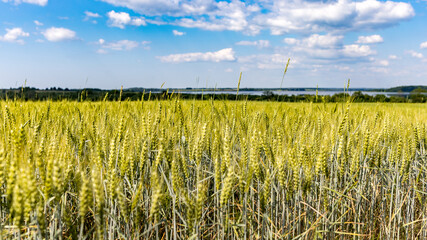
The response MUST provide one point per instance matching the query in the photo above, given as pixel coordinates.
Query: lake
(290, 93)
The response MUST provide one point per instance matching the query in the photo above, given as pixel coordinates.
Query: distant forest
(417, 94)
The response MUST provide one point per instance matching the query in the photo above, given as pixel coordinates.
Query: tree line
(58, 94)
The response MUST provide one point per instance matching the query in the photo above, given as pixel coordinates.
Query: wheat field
(176, 169)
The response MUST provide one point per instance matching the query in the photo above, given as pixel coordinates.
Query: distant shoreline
(417, 94)
(401, 89)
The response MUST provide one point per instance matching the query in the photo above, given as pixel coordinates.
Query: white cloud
(138, 22)
(393, 57)
(92, 14)
(13, 35)
(328, 46)
(203, 14)
(226, 54)
(415, 54)
(355, 51)
(121, 19)
(316, 41)
(164, 7)
(370, 39)
(229, 70)
(259, 43)
(54, 34)
(219, 16)
(423, 45)
(122, 45)
(38, 23)
(322, 41)
(317, 46)
(178, 33)
(291, 41)
(36, 2)
(278, 16)
(342, 15)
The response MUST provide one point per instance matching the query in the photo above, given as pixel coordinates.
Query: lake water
(290, 93)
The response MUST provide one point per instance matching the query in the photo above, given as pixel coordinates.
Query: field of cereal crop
(177, 169)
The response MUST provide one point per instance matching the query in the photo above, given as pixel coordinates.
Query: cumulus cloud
(370, 39)
(226, 54)
(355, 51)
(259, 43)
(423, 45)
(55, 34)
(280, 17)
(315, 42)
(291, 41)
(121, 19)
(36, 2)
(203, 14)
(313, 53)
(328, 46)
(322, 41)
(14, 35)
(178, 33)
(393, 57)
(165, 7)
(222, 15)
(415, 54)
(344, 15)
(138, 22)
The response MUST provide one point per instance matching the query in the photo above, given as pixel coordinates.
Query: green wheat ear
(284, 72)
(238, 85)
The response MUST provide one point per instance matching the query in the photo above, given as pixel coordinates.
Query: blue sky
(207, 43)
